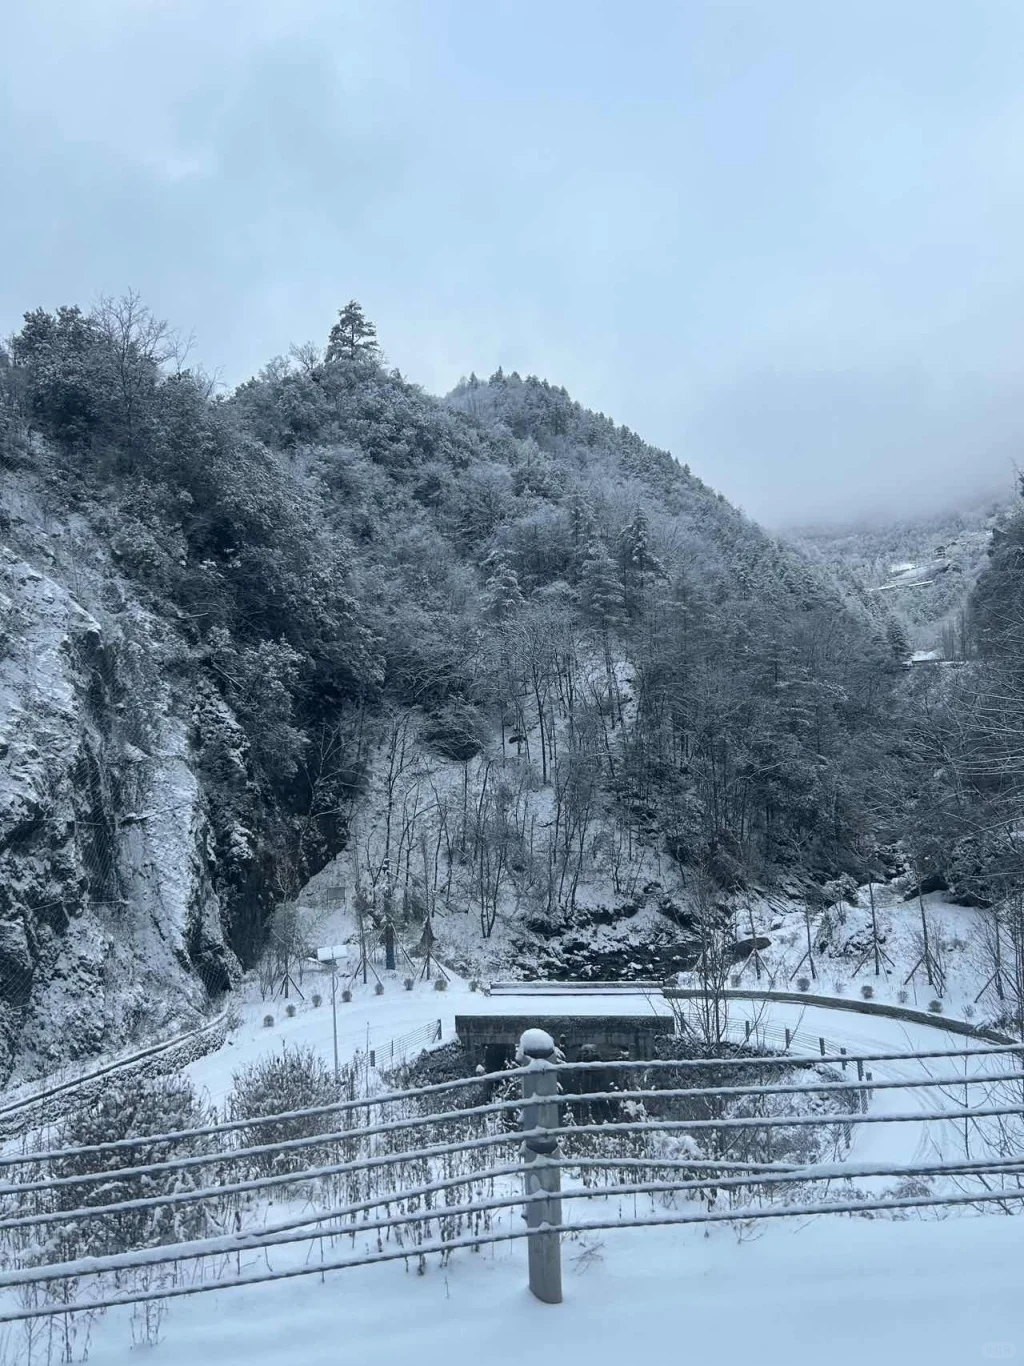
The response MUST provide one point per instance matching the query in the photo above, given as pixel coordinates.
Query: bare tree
(139, 345)
(308, 356)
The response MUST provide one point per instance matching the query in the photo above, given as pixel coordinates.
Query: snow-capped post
(536, 1055)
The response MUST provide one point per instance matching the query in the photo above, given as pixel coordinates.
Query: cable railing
(414, 1172)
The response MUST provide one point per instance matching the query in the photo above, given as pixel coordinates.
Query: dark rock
(743, 948)
(934, 882)
(16, 963)
(970, 899)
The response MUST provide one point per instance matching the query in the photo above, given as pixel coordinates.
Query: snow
(829, 1287)
(535, 1043)
(838, 1290)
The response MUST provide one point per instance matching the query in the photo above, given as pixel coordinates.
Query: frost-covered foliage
(294, 1079)
(157, 1106)
(923, 567)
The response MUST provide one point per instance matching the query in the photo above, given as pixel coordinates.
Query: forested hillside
(516, 666)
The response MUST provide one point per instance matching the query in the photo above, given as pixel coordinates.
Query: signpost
(332, 957)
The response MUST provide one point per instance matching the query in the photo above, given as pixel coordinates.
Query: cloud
(782, 241)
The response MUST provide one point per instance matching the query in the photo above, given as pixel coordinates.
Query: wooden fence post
(540, 1111)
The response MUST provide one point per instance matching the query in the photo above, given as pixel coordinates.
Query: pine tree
(353, 335)
(897, 640)
(583, 531)
(504, 595)
(637, 562)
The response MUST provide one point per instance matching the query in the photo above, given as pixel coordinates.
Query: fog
(781, 240)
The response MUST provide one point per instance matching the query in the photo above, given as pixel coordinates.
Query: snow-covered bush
(903, 997)
(803, 984)
(867, 991)
(346, 995)
(294, 1079)
(440, 983)
(408, 984)
(145, 1106)
(289, 1010)
(935, 1007)
(317, 999)
(378, 989)
(268, 1022)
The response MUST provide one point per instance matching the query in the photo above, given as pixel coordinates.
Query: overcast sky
(782, 238)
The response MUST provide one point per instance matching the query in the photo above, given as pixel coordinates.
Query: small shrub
(289, 1010)
(129, 1109)
(268, 1022)
(408, 984)
(734, 980)
(867, 991)
(456, 731)
(969, 1012)
(474, 985)
(318, 1000)
(839, 987)
(295, 1079)
(378, 989)
(903, 997)
(935, 1007)
(440, 983)
(346, 995)
(803, 984)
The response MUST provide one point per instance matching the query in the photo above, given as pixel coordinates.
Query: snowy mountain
(923, 568)
(489, 662)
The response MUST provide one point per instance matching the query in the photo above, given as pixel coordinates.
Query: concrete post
(540, 1111)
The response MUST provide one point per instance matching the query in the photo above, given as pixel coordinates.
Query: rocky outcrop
(110, 916)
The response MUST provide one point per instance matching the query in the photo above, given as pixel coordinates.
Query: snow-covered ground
(959, 944)
(832, 1288)
(842, 1291)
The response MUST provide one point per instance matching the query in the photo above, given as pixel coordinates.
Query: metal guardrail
(428, 1170)
(859, 1006)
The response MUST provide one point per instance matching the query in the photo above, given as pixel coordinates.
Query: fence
(423, 1172)
(406, 1046)
(26, 1110)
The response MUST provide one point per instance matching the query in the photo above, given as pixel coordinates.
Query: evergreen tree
(504, 596)
(352, 336)
(898, 641)
(637, 562)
